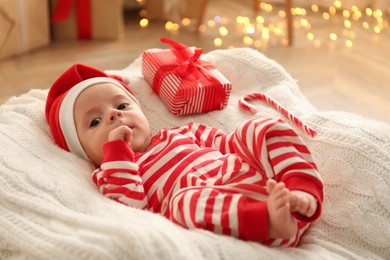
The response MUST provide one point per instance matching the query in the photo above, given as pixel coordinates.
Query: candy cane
(260, 96)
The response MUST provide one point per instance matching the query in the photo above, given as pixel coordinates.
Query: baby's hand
(121, 133)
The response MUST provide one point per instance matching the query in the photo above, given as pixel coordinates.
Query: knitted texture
(50, 209)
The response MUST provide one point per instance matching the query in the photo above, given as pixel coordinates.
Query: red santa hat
(62, 96)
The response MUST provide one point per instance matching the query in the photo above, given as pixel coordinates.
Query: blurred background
(338, 51)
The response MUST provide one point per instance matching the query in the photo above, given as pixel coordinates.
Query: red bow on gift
(185, 56)
(83, 14)
(188, 62)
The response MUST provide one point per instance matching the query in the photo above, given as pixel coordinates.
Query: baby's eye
(123, 106)
(94, 122)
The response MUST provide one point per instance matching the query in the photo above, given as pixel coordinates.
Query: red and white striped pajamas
(200, 177)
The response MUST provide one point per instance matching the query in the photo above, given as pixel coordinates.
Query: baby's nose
(115, 115)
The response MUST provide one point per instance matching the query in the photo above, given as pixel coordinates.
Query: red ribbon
(83, 14)
(188, 63)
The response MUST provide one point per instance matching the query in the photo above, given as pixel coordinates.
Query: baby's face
(103, 107)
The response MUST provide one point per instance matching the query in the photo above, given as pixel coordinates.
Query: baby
(258, 183)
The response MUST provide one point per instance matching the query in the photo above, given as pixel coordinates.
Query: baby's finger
(312, 208)
(128, 135)
(119, 133)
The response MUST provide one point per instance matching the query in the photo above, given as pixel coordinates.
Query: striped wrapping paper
(186, 82)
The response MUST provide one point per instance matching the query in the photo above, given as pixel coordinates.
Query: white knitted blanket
(50, 209)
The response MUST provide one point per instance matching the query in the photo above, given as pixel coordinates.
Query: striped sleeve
(118, 177)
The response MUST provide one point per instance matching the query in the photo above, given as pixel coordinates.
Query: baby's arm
(118, 176)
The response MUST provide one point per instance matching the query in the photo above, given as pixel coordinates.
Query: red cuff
(117, 150)
(253, 221)
(310, 185)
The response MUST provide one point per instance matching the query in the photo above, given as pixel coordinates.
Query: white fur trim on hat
(67, 123)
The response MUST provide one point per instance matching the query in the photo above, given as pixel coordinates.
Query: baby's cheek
(95, 147)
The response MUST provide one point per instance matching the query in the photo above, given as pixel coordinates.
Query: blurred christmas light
(217, 42)
(143, 13)
(325, 15)
(332, 10)
(144, 22)
(270, 27)
(185, 21)
(284, 42)
(171, 26)
(217, 19)
(369, 11)
(333, 36)
(266, 7)
(168, 26)
(354, 8)
(223, 31)
(347, 24)
(242, 19)
(346, 13)
(278, 31)
(247, 40)
(357, 15)
(202, 28)
(260, 19)
(211, 23)
(298, 11)
(378, 13)
(310, 36)
(305, 23)
(265, 35)
(249, 28)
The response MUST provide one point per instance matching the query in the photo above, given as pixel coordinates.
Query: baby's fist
(121, 133)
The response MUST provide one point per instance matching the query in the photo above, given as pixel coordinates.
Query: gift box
(24, 25)
(87, 19)
(185, 81)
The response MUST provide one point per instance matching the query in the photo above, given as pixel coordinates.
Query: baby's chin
(95, 162)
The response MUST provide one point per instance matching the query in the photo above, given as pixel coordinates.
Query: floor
(331, 73)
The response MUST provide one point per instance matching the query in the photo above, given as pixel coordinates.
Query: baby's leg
(220, 211)
(281, 223)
